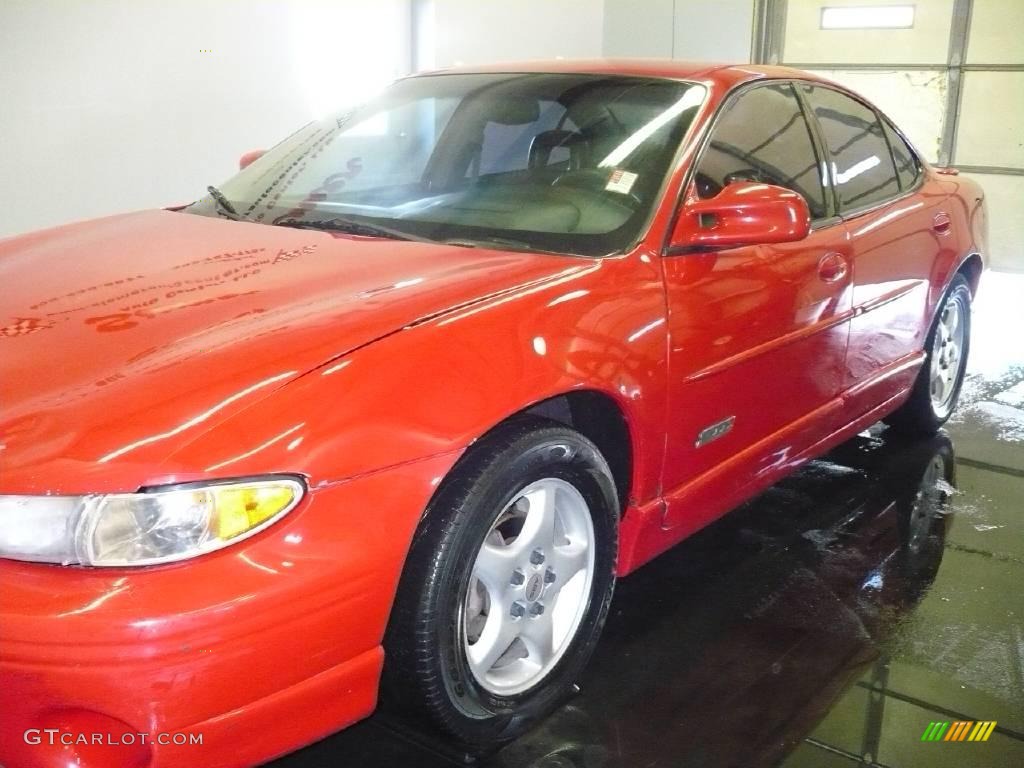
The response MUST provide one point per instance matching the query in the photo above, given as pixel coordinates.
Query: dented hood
(124, 338)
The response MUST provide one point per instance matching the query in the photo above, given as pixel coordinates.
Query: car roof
(723, 73)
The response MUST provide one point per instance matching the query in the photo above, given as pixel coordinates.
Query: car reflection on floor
(744, 644)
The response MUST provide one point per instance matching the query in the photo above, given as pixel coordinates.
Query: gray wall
(455, 32)
(111, 106)
(691, 30)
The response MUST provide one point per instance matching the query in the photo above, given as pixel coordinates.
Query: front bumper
(259, 648)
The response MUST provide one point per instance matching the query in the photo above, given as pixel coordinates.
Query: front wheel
(937, 388)
(507, 586)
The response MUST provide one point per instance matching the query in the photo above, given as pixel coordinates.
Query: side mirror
(744, 213)
(249, 158)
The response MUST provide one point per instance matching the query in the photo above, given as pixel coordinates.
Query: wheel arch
(971, 268)
(594, 414)
(600, 419)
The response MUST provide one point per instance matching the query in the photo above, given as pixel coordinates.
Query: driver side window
(763, 136)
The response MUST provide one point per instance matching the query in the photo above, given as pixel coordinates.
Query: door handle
(832, 268)
(942, 223)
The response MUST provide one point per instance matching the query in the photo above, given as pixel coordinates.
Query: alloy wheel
(946, 358)
(529, 587)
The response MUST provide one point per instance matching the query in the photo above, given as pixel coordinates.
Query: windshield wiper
(483, 242)
(224, 204)
(500, 243)
(350, 227)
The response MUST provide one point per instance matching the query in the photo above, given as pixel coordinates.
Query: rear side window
(907, 166)
(763, 136)
(862, 167)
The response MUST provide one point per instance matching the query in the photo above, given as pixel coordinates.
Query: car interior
(540, 162)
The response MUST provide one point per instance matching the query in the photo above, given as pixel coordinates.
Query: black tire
(426, 672)
(918, 416)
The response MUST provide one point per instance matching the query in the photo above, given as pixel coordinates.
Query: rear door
(758, 334)
(895, 235)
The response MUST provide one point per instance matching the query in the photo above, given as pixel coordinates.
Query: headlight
(153, 526)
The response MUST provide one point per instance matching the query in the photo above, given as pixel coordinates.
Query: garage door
(949, 72)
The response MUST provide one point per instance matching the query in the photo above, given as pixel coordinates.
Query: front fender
(438, 385)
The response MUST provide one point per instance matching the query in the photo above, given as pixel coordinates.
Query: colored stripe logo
(959, 730)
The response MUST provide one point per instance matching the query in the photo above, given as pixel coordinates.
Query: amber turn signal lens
(238, 509)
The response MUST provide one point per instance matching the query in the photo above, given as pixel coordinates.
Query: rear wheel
(937, 388)
(507, 586)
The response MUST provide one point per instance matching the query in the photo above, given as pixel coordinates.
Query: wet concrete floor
(828, 622)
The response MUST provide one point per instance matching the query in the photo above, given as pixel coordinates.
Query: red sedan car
(395, 406)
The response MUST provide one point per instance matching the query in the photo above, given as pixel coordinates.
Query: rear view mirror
(249, 158)
(744, 213)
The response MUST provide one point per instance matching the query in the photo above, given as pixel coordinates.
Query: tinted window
(907, 166)
(763, 136)
(861, 164)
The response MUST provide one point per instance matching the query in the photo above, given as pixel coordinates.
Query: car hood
(124, 338)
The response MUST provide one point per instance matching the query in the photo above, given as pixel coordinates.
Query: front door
(757, 334)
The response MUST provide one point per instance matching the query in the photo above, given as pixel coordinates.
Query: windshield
(557, 162)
